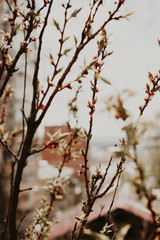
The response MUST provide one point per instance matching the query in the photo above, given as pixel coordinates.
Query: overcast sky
(136, 52)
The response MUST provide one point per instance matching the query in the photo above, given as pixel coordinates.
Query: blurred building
(54, 157)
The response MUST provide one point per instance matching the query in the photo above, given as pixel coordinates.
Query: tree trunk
(18, 178)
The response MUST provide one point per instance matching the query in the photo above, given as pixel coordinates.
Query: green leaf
(66, 51)
(118, 154)
(91, 64)
(56, 24)
(76, 11)
(150, 75)
(1, 131)
(58, 135)
(64, 135)
(48, 79)
(50, 136)
(120, 108)
(105, 80)
(148, 88)
(65, 39)
(75, 40)
(109, 53)
(5, 136)
(59, 70)
(81, 218)
(84, 63)
(51, 57)
(128, 15)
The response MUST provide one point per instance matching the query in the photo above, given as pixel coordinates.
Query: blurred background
(136, 52)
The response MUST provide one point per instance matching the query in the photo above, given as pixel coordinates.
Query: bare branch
(35, 76)
(119, 170)
(4, 144)
(104, 177)
(9, 5)
(113, 198)
(72, 62)
(23, 105)
(24, 190)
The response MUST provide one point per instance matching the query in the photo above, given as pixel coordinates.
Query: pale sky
(136, 52)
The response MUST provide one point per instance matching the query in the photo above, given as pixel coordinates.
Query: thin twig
(61, 41)
(13, 65)
(9, 5)
(36, 70)
(72, 62)
(26, 189)
(74, 230)
(146, 194)
(24, 116)
(96, 10)
(119, 169)
(37, 151)
(9, 149)
(20, 222)
(105, 174)
(113, 198)
(23, 104)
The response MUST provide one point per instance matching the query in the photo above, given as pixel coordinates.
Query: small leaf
(76, 11)
(127, 15)
(59, 197)
(121, 110)
(118, 154)
(50, 136)
(150, 75)
(65, 39)
(81, 218)
(1, 131)
(91, 64)
(48, 79)
(5, 136)
(59, 70)
(66, 51)
(84, 62)
(58, 135)
(105, 80)
(109, 54)
(51, 57)
(75, 40)
(56, 24)
(64, 135)
(148, 88)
